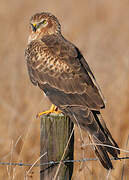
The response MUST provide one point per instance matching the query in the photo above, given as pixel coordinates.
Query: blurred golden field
(101, 31)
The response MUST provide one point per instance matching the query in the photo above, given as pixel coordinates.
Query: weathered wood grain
(55, 132)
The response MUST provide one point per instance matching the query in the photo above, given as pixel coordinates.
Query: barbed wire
(56, 162)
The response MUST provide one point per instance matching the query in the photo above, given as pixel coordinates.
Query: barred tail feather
(93, 123)
(102, 153)
(104, 147)
(103, 157)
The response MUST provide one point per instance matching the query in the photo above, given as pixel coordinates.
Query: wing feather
(59, 64)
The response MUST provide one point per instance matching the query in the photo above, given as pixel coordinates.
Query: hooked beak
(34, 27)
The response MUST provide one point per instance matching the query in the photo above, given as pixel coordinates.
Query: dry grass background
(101, 30)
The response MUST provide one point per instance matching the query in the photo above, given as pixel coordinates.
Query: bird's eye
(44, 21)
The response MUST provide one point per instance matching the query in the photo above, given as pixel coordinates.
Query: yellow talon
(53, 109)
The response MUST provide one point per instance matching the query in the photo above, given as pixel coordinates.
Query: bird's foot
(54, 109)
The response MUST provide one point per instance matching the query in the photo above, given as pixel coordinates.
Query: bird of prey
(60, 70)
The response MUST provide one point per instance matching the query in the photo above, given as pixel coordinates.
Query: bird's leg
(53, 109)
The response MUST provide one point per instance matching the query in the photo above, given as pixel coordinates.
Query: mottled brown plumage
(60, 70)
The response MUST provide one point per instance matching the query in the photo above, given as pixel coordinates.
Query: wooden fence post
(55, 133)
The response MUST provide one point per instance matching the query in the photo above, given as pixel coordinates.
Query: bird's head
(42, 24)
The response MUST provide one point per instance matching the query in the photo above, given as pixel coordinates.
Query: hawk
(60, 70)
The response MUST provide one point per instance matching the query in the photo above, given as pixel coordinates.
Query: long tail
(104, 137)
(99, 134)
